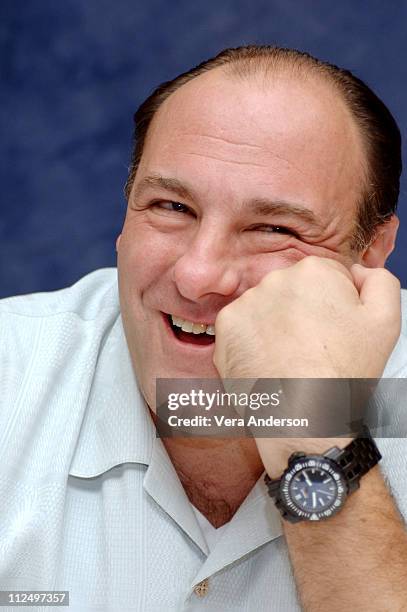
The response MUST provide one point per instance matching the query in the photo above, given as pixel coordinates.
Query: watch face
(313, 488)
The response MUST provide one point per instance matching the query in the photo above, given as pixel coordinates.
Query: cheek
(261, 265)
(258, 266)
(144, 258)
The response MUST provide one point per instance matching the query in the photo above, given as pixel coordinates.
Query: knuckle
(312, 264)
(324, 268)
(221, 317)
(388, 317)
(312, 261)
(247, 296)
(387, 276)
(225, 315)
(271, 279)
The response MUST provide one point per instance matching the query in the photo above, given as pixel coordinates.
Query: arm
(355, 560)
(318, 320)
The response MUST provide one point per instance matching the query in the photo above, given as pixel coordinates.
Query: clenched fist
(315, 319)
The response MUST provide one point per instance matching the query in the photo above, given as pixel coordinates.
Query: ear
(118, 242)
(376, 254)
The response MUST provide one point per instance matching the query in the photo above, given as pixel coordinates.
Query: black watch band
(358, 458)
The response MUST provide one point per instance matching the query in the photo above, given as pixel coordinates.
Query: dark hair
(379, 131)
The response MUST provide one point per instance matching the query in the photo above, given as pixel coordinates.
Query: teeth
(198, 328)
(195, 328)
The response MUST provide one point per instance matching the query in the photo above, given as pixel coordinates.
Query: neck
(217, 475)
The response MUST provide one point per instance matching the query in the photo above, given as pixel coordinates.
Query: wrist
(315, 484)
(277, 461)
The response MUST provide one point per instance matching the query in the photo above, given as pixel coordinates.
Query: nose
(206, 267)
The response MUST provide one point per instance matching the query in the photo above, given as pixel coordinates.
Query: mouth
(188, 332)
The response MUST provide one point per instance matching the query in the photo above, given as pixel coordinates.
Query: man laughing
(261, 213)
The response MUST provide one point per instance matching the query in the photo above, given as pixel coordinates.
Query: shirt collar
(117, 427)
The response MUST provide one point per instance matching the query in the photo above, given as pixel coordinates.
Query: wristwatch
(315, 487)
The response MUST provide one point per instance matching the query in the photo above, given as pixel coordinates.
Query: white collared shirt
(89, 499)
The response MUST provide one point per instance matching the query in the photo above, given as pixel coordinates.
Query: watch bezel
(297, 464)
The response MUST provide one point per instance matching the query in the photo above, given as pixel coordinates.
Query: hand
(315, 319)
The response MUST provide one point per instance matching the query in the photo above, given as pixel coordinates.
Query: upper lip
(193, 318)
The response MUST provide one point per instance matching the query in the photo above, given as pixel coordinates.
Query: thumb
(377, 287)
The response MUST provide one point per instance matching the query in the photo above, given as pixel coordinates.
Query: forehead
(294, 137)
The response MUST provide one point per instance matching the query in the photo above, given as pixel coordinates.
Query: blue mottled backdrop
(73, 73)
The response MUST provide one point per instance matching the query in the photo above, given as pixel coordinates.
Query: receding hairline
(266, 70)
(289, 71)
(378, 132)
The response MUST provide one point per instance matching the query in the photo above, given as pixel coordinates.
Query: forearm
(356, 559)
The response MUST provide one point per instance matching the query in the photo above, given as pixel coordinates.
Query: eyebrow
(169, 184)
(258, 206)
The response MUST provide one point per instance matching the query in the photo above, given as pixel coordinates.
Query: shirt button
(201, 589)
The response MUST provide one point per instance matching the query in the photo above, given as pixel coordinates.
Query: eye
(275, 229)
(171, 206)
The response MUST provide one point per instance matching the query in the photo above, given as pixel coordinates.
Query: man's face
(236, 179)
